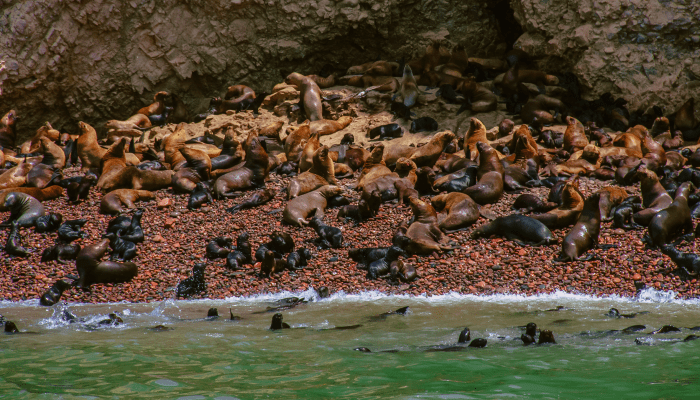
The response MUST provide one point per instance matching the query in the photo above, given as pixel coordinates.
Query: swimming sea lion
(53, 295)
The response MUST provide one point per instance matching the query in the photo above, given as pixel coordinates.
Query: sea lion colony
(620, 187)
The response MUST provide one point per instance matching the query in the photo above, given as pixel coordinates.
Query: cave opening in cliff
(507, 24)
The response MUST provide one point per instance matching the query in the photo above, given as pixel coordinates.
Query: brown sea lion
(539, 108)
(307, 154)
(239, 93)
(394, 151)
(24, 209)
(271, 130)
(673, 221)
(476, 133)
(374, 167)
(568, 212)
(34, 144)
(120, 200)
(197, 169)
(574, 136)
(251, 174)
(654, 196)
(322, 82)
(424, 234)
(429, 153)
(429, 60)
(461, 211)
(480, 99)
(136, 121)
(113, 161)
(610, 197)
(89, 152)
(379, 83)
(322, 173)
(300, 208)
(15, 176)
(652, 150)
(180, 112)
(172, 145)
(295, 141)
(386, 68)
(488, 160)
(92, 270)
(457, 63)
(398, 184)
(8, 132)
(489, 187)
(686, 122)
(155, 108)
(309, 94)
(409, 89)
(329, 126)
(584, 235)
(47, 193)
(632, 139)
(134, 178)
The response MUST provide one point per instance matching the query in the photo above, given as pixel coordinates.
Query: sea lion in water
(92, 270)
(53, 295)
(584, 235)
(194, 284)
(115, 201)
(309, 94)
(461, 210)
(299, 208)
(252, 173)
(518, 228)
(24, 209)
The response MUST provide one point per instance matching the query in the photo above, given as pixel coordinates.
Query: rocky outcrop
(646, 51)
(95, 60)
(103, 59)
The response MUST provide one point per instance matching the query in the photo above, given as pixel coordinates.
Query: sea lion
(428, 154)
(197, 169)
(689, 263)
(24, 209)
(92, 270)
(321, 173)
(155, 108)
(89, 152)
(257, 199)
(374, 167)
(329, 237)
(478, 98)
(13, 245)
(53, 295)
(518, 228)
(381, 267)
(15, 176)
(686, 122)
(309, 94)
(489, 188)
(328, 126)
(8, 131)
(48, 223)
(194, 284)
(654, 197)
(47, 193)
(425, 237)
(527, 203)
(119, 200)
(461, 211)
(574, 136)
(299, 208)
(271, 264)
(672, 221)
(423, 124)
(61, 252)
(385, 68)
(409, 89)
(457, 181)
(584, 235)
(298, 259)
(307, 154)
(388, 131)
(476, 133)
(252, 173)
(112, 163)
(568, 212)
(610, 197)
(539, 107)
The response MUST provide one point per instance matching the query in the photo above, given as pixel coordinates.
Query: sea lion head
(591, 153)
(294, 79)
(377, 154)
(407, 72)
(403, 164)
(85, 128)
(329, 191)
(160, 96)
(10, 118)
(422, 211)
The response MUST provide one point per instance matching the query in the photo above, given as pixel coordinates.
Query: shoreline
(484, 266)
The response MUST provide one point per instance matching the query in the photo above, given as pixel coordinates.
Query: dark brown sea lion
(674, 220)
(518, 228)
(92, 270)
(373, 167)
(197, 169)
(686, 121)
(610, 197)
(309, 94)
(425, 237)
(429, 153)
(8, 132)
(117, 201)
(489, 187)
(295, 141)
(53, 295)
(89, 152)
(379, 83)
(654, 196)
(528, 203)
(24, 209)
(429, 60)
(251, 174)
(384, 68)
(584, 235)
(479, 98)
(651, 149)
(461, 211)
(299, 208)
(568, 212)
(539, 108)
(155, 108)
(47, 193)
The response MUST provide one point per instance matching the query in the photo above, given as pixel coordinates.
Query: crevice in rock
(508, 26)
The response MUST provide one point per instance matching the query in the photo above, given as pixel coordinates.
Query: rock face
(95, 60)
(646, 51)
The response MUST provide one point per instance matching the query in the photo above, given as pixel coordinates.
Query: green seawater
(223, 359)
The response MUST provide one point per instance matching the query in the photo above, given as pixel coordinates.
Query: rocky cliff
(94, 60)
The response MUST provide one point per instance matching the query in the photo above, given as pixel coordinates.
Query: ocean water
(198, 358)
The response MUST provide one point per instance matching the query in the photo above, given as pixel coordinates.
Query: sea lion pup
(674, 220)
(328, 126)
(89, 152)
(92, 270)
(425, 237)
(476, 133)
(47, 193)
(271, 264)
(155, 108)
(388, 131)
(8, 132)
(610, 197)
(584, 235)
(478, 98)
(546, 336)
(391, 186)
(574, 136)
(53, 295)
(24, 209)
(200, 196)
(329, 237)
(461, 211)
(518, 228)
(48, 223)
(257, 199)
(685, 121)
(232, 153)
(374, 167)
(309, 95)
(402, 272)
(489, 188)
(429, 153)
(539, 108)
(120, 200)
(689, 263)
(252, 173)
(299, 208)
(568, 212)
(321, 173)
(13, 245)
(194, 284)
(197, 169)
(527, 203)
(366, 208)
(15, 176)
(654, 196)
(409, 89)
